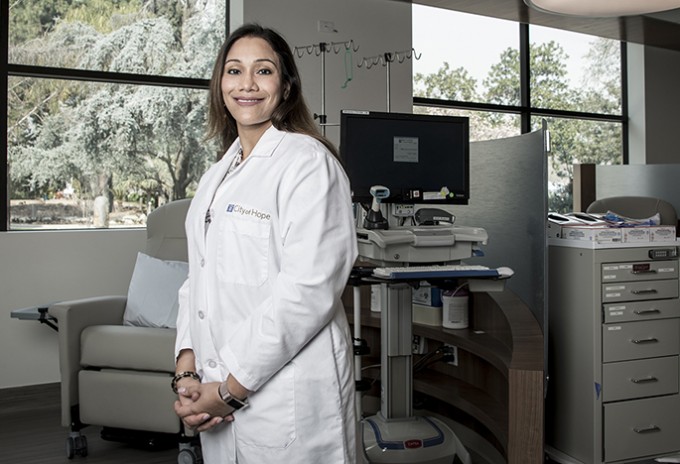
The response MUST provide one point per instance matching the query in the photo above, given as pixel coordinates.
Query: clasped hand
(200, 407)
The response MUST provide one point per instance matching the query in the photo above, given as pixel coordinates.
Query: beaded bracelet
(183, 375)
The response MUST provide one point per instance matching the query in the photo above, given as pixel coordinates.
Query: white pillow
(152, 299)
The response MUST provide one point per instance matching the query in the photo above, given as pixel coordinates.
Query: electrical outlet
(326, 26)
(418, 345)
(452, 352)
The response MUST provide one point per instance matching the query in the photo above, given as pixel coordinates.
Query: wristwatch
(230, 400)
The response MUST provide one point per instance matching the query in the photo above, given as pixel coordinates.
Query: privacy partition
(508, 198)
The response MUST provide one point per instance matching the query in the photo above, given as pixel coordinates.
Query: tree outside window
(85, 124)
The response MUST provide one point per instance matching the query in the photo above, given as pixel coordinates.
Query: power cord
(443, 353)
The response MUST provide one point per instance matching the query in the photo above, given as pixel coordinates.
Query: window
(575, 72)
(105, 108)
(507, 78)
(577, 141)
(450, 68)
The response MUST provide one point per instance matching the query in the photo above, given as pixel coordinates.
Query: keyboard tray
(441, 274)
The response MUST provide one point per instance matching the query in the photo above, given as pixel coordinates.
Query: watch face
(234, 403)
(228, 399)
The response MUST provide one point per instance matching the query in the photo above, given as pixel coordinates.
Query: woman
(271, 245)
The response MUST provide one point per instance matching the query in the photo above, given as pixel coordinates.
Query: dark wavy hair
(292, 114)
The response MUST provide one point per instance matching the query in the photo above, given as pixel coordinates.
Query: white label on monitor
(406, 149)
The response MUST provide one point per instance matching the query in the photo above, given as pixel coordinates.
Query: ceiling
(657, 29)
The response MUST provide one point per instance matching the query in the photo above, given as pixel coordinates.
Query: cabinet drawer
(640, 379)
(643, 339)
(641, 427)
(641, 310)
(636, 271)
(635, 291)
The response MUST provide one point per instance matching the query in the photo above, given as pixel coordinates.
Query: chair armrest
(73, 317)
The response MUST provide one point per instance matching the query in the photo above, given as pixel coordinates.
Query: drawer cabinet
(635, 272)
(641, 310)
(637, 340)
(641, 428)
(636, 291)
(614, 356)
(640, 379)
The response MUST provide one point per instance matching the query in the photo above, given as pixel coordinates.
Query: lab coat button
(202, 262)
(212, 364)
(201, 315)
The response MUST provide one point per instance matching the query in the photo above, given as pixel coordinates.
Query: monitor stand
(395, 434)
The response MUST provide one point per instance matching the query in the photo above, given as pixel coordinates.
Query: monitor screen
(420, 158)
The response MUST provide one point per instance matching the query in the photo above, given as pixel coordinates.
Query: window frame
(20, 70)
(526, 111)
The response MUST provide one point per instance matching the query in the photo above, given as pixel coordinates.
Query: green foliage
(446, 84)
(126, 141)
(32, 19)
(104, 15)
(502, 83)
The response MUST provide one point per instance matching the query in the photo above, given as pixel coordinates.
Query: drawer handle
(642, 312)
(646, 291)
(645, 380)
(643, 271)
(640, 341)
(651, 428)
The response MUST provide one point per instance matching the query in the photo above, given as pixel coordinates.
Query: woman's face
(251, 83)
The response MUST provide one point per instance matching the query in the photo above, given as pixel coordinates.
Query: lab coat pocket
(243, 251)
(269, 421)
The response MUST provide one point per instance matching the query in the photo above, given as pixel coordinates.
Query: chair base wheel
(76, 445)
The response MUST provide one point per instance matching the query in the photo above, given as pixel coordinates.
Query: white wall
(376, 26)
(662, 100)
(40, 267)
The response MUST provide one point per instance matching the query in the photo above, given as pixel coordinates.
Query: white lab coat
(262, 301)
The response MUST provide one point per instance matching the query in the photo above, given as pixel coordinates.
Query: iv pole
(386, 60)
(321, 49)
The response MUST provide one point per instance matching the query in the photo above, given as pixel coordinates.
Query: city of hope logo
(238, 209)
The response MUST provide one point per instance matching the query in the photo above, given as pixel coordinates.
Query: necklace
(238, 159)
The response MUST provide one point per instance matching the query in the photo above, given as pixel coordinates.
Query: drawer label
(614, 328)
(610, 268)
(617, 308)
(609, 277)
(612, 295)
(616, 313)
(666, 269)
(612, 288)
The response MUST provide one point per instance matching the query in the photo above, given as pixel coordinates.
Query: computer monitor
(421, 158)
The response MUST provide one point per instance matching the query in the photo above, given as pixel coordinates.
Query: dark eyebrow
(236, 60)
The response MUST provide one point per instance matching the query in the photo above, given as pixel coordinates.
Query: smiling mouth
(248, 100)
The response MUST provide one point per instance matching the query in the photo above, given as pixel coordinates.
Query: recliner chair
(637, 208)
(118, 376)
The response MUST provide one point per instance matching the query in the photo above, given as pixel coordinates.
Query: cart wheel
(187, 456)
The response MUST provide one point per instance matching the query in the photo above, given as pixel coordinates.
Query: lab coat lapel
(211, 183)
(265, 148)
(267, 144)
